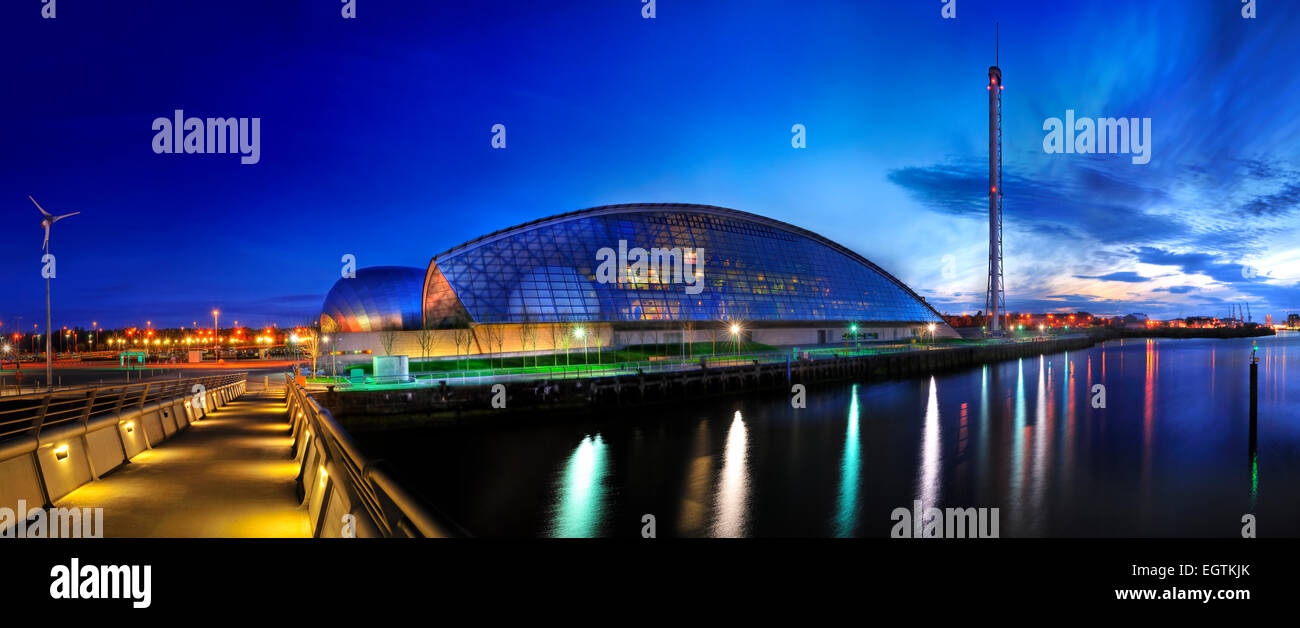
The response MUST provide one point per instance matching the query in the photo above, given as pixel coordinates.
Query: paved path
(226, 476)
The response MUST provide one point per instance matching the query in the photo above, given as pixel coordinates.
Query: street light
(582, 333)
(216, 350)
(931, 328)
(333, 362)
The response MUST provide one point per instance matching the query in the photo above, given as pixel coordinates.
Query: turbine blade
(58, 218)
(38, 206)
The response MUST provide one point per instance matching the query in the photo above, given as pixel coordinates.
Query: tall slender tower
(995, 301)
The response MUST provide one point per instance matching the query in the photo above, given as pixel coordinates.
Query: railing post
(85, 435)
(144, 394)
(38, 422)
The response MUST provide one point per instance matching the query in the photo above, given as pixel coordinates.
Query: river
(1165, 454)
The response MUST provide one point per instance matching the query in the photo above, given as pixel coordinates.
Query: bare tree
(566, 338)
(462, 335)
(499, 337)
(425, 337)
(387, 338)
(688, 329)
(556, 332)
(494, 335)
(528, 335)
(309, 345)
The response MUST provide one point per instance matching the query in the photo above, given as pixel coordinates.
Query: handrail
(29, 414)
(391, 507)
(675, 364)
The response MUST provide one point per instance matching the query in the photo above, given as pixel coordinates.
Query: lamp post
(333, 363)
(735, 338)
(95, 326)
(582, 333)
(216, 349)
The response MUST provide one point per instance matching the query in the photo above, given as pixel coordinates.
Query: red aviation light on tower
(995, 297)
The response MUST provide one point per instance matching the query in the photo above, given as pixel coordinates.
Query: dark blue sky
(375, 141)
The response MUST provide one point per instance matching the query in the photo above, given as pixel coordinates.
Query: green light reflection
(580, 508)
(846, 520)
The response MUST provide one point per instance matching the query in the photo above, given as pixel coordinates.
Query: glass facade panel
(755, 269)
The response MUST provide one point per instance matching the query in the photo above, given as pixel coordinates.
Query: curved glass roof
(380, 298)
(567, 268)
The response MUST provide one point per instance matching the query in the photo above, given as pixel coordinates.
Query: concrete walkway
(226, 476)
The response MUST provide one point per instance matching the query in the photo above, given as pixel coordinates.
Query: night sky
(376, 142)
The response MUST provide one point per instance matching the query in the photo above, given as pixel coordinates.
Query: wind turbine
(48, 220)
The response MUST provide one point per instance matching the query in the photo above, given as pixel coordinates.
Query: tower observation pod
(995, 301)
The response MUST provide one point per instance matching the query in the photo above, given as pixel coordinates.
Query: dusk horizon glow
(375, 142)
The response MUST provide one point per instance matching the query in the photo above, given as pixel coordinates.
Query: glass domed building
(647, 267)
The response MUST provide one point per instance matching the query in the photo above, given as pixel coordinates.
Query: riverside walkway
(217, 456)
(230, 475)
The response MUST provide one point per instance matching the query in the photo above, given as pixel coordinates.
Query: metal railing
(563, 371)
(395, 511)
(29, 414)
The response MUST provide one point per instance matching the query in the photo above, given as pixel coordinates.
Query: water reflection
(928, 477)
(1042, 425)
(1163, 460)
(733, 484)
(580, 507)
(1018, 441)
(695, 492)
(846, 517)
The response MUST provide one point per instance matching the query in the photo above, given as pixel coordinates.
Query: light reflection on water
(846, 516)
(927, 480)
(580, 507)
(733, 483)
(1164, 457)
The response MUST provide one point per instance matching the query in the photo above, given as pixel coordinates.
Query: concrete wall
(326, 498)
(548, 337)
(442, 342)
(94, 448)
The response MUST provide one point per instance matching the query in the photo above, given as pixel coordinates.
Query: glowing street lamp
(582, 333)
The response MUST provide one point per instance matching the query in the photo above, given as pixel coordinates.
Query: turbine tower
(47, 221)
(995, 300)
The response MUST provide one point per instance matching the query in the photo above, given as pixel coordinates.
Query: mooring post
(1254, 402)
